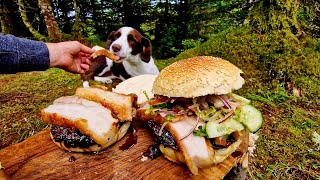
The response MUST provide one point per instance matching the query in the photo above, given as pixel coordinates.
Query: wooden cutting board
(39, 158)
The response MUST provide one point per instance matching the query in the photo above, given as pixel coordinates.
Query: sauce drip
(132, 138)
(153, 151)
(72, 159)
(236, 154)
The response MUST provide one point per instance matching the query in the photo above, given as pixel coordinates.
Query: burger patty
(164, 138)
(71, 138)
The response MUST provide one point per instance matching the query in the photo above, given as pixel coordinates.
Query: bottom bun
(95, 147)
(236, 155)
(220, 154)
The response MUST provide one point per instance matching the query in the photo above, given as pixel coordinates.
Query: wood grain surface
(39, 158)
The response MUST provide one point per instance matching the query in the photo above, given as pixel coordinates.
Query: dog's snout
(116, 48)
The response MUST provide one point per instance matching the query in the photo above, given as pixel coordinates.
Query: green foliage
(191, 43)
(309, 15)
(279, 15)
(224, 14)
(270, 58)
(166, 46)
(96, 40)
(318, 46)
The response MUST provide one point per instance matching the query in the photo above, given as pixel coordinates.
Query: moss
(273, 58)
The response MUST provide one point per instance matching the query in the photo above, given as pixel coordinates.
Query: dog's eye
(117, 35)
(131, 38)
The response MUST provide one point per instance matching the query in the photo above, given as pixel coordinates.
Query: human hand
(71, 56)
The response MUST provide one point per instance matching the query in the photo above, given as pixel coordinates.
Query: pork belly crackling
(91, 120)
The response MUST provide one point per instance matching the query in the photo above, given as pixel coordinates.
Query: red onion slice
(165, 113)
(225, 117)
(188, 134)
(225, 102)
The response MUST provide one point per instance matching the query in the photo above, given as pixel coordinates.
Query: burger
(91, 120)
(196, 118)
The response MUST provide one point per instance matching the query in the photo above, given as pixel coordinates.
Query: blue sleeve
(22, 55)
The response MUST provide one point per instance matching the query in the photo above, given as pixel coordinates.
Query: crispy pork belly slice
(197, 151)
(89, 117)
(120, 104)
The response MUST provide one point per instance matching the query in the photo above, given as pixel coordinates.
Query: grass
(23, 95)
(285, 149)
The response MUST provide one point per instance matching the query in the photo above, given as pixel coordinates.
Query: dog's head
(127, 42)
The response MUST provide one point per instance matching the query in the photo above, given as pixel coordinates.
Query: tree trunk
(25, 20)
(5, 19)
(94, 15)
(129, 18)
(64, 6)
(76, 27)
(52, 25)
(268, 15)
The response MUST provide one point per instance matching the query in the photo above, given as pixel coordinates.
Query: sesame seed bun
(198, 76)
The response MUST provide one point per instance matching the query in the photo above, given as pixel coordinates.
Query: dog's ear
(146, 50)
(110, 39)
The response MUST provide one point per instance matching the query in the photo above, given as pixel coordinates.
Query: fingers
(86, 49)
(82, 54)
(88, 61)
(84, 68)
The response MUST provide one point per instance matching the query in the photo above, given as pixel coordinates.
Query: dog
(135, 52)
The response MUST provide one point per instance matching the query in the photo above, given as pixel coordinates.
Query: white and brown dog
(134, 51)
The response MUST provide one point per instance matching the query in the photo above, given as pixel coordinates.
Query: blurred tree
(11, 22)
(50, 21)
(27, 23)
(175, 22)
(7, 25)
(76, 26)
(61, 10)
(269, 15)
(135, 12)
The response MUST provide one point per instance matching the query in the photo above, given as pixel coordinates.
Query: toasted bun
(198, 76)
(100, 51)
(137, 85)
(118, 134)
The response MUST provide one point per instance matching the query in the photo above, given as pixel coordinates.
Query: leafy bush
(191, 43)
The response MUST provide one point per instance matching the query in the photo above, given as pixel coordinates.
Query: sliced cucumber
(215, 129)
(233, 125)
(251, 117)
(240, 98)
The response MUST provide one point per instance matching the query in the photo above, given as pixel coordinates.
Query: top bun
(198, 76)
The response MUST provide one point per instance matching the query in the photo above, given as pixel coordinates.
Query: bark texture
(54, 32)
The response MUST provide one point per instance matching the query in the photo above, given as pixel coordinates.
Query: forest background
(275, 42)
